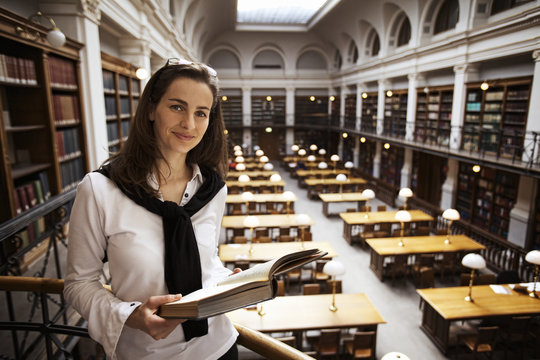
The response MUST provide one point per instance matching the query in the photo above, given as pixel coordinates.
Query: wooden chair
(381, 208)
(311, 289)
(285, 238)
(426, 278)
(317, 274)
(383, 230)
(350, 210)
(308, 236)
(237, 209)
(482, 341)
(423, 262)
(284, 231)
(328, 343)
(362, 345)
(239, 240)
(515, 333)
(261, 232)
(293, 275)
(398, 267)
(280, 288)
(271, 208)
(330, 286)
(261, 239)
(448, 262)
(422, 231)
(365, 208)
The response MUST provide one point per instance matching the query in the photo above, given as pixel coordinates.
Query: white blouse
(104, 219)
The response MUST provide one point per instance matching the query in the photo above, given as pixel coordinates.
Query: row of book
(112, 131)
(67, 141)
(72, 172)
(62, 73)
(18, 70)
(110, 106)
(108, 80)
(66, 109)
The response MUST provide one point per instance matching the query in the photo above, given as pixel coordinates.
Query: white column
(246, 119)
(463, 74)
(343, 95)
(137, 52)
(383, 86)
(406, 170)
(411, 106)
(330, 93)
(450, 185)
(534, 114)
(377, 160)
(519, 215)
(340, 147)
(360, 88)
(289, 140)
(289, 119)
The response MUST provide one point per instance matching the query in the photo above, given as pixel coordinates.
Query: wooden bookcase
(350, 111)
(308, 112)
(231, 109)
(41, 124)
(369, 113)
(264, 112)
(496, 119)
(366, 155)
(122, 90)
(335, 111)
(391, 164)
(395, 114)
(433, 115)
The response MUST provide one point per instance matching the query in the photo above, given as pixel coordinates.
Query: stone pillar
(246, 119)
(406, 170)
(519, 215)
(411, 106)
(343, 95)
(360, 88)
(289, 119)
(463, 74)
(377, 160)
(383, 86)
(356, 151)
(533, 115)
(449, 187)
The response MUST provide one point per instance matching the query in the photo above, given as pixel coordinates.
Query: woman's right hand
(144, 317)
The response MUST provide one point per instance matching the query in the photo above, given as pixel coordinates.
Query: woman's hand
(144, 317)
(235, 271)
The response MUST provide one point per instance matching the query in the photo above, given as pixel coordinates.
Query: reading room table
(312, 183)
(352, 219)
(261, 199)
(301, 313)
(230, 253)
(442, 306)
(382, 248)
(319, 173)
(256, 184)
(233, 175)
(341, 197)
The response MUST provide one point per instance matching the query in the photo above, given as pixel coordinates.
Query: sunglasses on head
(179, 61)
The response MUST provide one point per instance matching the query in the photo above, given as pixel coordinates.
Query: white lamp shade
(349, 165)
(322, 165)
(238, 153)
(451, 214)
(295, 147)
(240, 167)
(303, 219)
(256, 147)
(368, 194)
(247, 196)
(322, 152)
(313, 147)
(288, 196)
(259, 152)
(264, 159)
(237, 147)
(251, 221)
(243, 178)
(268, 166)
(141, 73)
(311, 158)
(275, 178)
(334, 157)
(341, 177)
(56, 38)
(533, 257)
(292, 165)
(302, 152)
(239, 159)
(405, 193)
(403, 216)
(473, 261)
(334, 268)
(394, 355)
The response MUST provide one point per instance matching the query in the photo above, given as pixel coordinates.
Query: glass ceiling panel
(277, 11)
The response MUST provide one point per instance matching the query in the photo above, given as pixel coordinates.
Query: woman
(154, 213)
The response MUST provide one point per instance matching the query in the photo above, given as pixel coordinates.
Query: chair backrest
(422, 231)
(239, 240)
(280, 288)
(311, 289)
(285, 238)
(365, 208)
(284, 231)
(486, 336)
(364, 340)
(329, 342)
(426, 260)
(349, 210)
(381, 208)
(330, 286)
(319, 265)
(262, 239)
(261, 232)
(238, 232)
(308, 236)
(427, 278)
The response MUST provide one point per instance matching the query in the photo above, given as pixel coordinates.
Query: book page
(259, 272)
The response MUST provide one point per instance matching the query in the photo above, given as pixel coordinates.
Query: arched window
(311, 60)
(375, 44)
(404, 33)
(337, 60)
(353, 52)
(502, 5)
(447, 17)
(224, 59)
(268, 59)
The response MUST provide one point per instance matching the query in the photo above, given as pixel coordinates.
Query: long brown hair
(138, 157)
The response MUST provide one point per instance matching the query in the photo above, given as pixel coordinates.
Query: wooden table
(370, 218)
(442, 306)
(310, 312)
(260, 199)
(414, 245)
(265, 221)
(256, 184)
(232, 175)
(229, 253)
(341, 197)
(318, 173)
(311, 183)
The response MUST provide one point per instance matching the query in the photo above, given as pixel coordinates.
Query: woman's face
(181, 117)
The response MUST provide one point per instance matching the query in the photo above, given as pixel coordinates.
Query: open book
(248, 287)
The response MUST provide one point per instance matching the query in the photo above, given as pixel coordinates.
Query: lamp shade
(247, 196)
(256, 147)
(322, 165)
(451, 214)
(368, 194)
(313, 147)
(251, 221)
(288, 196)
(292, 165)
(240, 167)
(403, 216)
(405, 193)
(334, 157)
(473, 261)
(268, 166)
(239, 159)
(243, 178)
(295, 148)
(349, 165)
(334, 268)
(341, 177)
(394, 355)
(322, 152)
(56, 38)
(303, 219)
(311, 158)
(302, 152)
(275, 178)
(264, 159)
(238, 152)
(259, 152)
(237, 147)
(533, 257)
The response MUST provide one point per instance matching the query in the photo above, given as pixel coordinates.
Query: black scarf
(182, 260)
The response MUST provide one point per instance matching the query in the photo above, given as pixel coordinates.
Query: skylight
(263, 13)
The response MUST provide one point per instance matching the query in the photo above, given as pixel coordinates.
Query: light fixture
(264, 159)
(302, 152)
(364, 95)
(268, 98)
(259, 152)
(295, 147)
(303, 221)
(268, 129)
(313, 147)
(240, 167)
(224, 98)
(426, 90)
(476, 168)
(348, 165)
(322, 152)
(244, 178)
(362, 139)
(387, 146)
(274, 179)
(473, 262)
(311, 158)
(288, 196)
(247, 196)
(141, 73)
(332, 98)
(341, 178)
(334, 268)
(239, 159)
(312, 98)
(533, 257)
(238, 153)
(226, 132)
(394, 355)
(251, 222)
(322, 165)
(405, 193)
(389, 93)
(368, 194)
(402, 216)
(237, 147)
(484, 86)
(345, 135)
(335, 159)
(268, 166)
(55, 36)
(256, 147)
(450, 215)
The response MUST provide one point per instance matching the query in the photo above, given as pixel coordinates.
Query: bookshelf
(485, 199)
(366, 155)
(308, 112)
(496, 119)
(391, 164)
(369, 112)
(47, 79)
(121, 89)
(434, 115)
(350, 111)
(335, 111)
(264, 112)
(395, 114)
(231, 109)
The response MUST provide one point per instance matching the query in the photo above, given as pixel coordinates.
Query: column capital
(465, 68)
(290, 89)
(90, 9)
(246, 89)
(536, 55)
